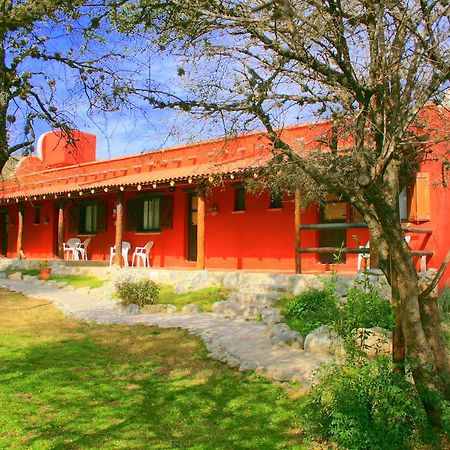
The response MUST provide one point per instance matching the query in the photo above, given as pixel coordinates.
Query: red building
(65, 192)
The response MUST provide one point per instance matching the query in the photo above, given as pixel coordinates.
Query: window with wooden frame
(149, 213)
(239, 198)
(87, 217)
(276, 200)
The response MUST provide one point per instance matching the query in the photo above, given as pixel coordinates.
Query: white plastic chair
(366, 256)
(125, 249)
(82, 248)
(72, 246)
(362, 256)
(142, 254)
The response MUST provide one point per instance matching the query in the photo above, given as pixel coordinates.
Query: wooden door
(192, 226)
(333, 211)
(4, 231)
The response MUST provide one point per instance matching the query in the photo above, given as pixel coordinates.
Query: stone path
(239, 343)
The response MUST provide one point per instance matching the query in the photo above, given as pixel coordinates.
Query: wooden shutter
(101, 217)
(74, 218)
(132, 214)
(166, 212)
(419, 203)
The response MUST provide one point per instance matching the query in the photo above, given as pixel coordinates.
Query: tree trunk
(427, 377)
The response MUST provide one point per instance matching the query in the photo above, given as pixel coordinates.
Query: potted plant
(44, 270)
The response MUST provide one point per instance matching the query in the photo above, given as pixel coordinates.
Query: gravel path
(233, 341)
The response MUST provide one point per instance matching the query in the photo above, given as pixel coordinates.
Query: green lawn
(79, 281)
(66, 384)
(203, 298)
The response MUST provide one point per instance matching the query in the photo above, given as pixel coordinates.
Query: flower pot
(44, 273)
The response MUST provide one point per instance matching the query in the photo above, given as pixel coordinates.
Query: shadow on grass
(82, 393)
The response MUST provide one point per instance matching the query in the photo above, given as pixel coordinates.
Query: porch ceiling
(41, 184)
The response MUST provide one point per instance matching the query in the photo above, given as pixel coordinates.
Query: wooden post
(61, 209)
(297, 223)
(20, 253)
(201, 230)
(119, 228)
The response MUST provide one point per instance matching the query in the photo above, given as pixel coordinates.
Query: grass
(68, 384)
(295, 324)
(78, 281)
(203, 298)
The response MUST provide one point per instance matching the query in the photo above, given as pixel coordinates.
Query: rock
(29, 278)
(272, 319)
(288, 337)
(3, 275)
(247, 365)
(171, 309)
(324, 340)
(278, 328)
(68, 287)
(132, 309)
(83, 290)
(228, 309)
(373, 340)
(190, 309)
(15, 276)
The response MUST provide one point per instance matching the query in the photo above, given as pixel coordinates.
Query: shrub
(137, 292)
(444, 300)
(364, 309)
(311, 309)
(363, 404)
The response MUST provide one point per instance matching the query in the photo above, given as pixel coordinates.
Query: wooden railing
(358, 250)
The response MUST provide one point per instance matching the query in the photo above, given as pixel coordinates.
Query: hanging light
(69, 194)
(139, 187)
(92, 191)
(172, 183)
(189, 180)
(232, 176)
(210, 179)
(81, 192)
(44, 197)
(106, 189)
(122, 188)
(154, 185)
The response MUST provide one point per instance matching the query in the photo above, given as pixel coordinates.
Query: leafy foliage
(363, 404)
(311, 309)
(137, 292)
(364, 309)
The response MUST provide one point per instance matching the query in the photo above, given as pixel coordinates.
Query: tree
(370, 67)
(50, 52)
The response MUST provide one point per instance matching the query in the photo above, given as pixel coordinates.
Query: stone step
(231, 310)
(253, 297)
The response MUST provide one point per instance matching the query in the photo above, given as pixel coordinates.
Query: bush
(363, 404)
(311, 309)
(444, 300)
(137, 292)
(364, 309)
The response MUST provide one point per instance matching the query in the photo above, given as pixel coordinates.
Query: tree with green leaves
(369, 67)
(54, 56)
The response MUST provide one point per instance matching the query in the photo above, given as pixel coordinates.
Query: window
(37, 214)
(239, 198)
(87, 218)
(276, 200)
(150, 214)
